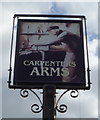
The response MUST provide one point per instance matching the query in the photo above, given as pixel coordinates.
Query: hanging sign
(49, 52)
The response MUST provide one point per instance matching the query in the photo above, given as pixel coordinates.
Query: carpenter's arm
(50, 40)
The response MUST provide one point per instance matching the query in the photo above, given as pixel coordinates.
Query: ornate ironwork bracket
(35, 107)
(62, 108)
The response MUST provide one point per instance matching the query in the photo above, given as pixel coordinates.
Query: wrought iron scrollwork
(24, 93)
(62, 107)
(35, 107)
(74, 93)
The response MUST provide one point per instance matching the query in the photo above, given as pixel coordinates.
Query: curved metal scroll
(62, 107)
(35, 107)
(74, 93)
(38, 108)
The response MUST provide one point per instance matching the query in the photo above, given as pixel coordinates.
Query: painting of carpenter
(50, 52)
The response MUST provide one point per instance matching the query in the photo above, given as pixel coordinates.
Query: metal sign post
(49, 102)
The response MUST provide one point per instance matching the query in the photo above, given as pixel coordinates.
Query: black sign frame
(39, 84)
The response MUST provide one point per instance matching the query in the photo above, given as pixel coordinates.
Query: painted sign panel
(49, 52)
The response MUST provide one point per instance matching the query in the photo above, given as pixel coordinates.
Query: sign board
(49, 52)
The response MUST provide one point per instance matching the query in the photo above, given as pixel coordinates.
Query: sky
(13, 105)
